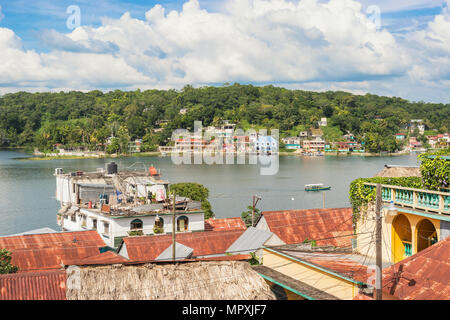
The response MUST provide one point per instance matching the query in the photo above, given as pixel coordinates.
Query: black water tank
(111, 168)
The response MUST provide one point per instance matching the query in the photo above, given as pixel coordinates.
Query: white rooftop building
(120, 204)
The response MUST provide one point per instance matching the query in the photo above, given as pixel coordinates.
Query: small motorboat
(316, 187)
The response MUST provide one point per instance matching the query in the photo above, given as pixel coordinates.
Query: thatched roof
(398, 171)
(215, 280)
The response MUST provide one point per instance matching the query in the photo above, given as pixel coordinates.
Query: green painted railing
(432, 201)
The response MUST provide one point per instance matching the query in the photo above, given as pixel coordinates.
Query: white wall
(119, 227)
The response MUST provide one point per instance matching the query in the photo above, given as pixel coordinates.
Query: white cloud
(20, 68)
(332, 43)
(432, 50)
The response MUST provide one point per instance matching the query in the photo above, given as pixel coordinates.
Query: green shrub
(435, 170)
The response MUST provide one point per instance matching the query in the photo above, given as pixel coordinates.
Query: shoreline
(112, 156)
(157, 153)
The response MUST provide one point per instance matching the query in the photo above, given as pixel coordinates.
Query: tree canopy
(77, 119)
(5, 262)
(196, 192)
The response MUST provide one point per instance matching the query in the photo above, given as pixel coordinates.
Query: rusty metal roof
(107, 257)
(148, 248)
(225, 224)
(49, 285)
(50, 258)
(349, 265)
(52, 240)
(423, 276)
(51, 250)
(326, 226)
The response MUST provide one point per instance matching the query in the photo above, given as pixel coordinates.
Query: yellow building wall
(365, 229)
(289, 294)
(321, 280)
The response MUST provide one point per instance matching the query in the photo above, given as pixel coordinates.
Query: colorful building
(415, 220)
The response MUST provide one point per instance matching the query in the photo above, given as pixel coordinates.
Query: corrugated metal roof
(49, 258)
(344, 264)
(295, 226)
(181, 252)
(423, 276)
(148, 248)
(251, 240)
(107, 257)
(34, 231)
(149, 207)
(225, 224)
(50, 250)
(140, 180)
(95, 186)
(52, 240)
(49, 285)
(193, 205)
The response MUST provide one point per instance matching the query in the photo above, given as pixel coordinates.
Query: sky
(392, 48)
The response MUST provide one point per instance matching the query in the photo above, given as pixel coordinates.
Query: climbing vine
(361, 195)
(435, 170)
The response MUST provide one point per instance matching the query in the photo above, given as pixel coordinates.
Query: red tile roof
(423, 276)
(52, 240)
(224, 224)
(331, 226)
(49, 285)
(236, 257)
(148, 248)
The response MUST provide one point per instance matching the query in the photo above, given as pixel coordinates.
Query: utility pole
(173, 228)
(253, 208)
(378, 239)
(323, 198)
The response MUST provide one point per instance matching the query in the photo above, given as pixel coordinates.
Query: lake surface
(27, 188)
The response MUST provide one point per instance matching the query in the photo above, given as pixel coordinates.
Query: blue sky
(284, 42)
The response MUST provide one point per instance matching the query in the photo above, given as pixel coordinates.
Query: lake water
(27, 188)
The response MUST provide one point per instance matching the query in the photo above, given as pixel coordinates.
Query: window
(73, 218)
(182, 224)
(83, 221)
(94, 224)
(106, 227)
(136, 224)
(159, 222)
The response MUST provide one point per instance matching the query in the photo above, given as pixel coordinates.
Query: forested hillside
(88, 119)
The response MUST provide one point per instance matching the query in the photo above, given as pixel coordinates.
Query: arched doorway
(401, 238)
(426, 234)
(182, 224)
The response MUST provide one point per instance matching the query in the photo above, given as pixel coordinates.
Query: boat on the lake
(316, 187)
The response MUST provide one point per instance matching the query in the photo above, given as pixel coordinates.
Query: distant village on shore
(311, 142)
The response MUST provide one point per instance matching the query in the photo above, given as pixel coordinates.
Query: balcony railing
(427, 200)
